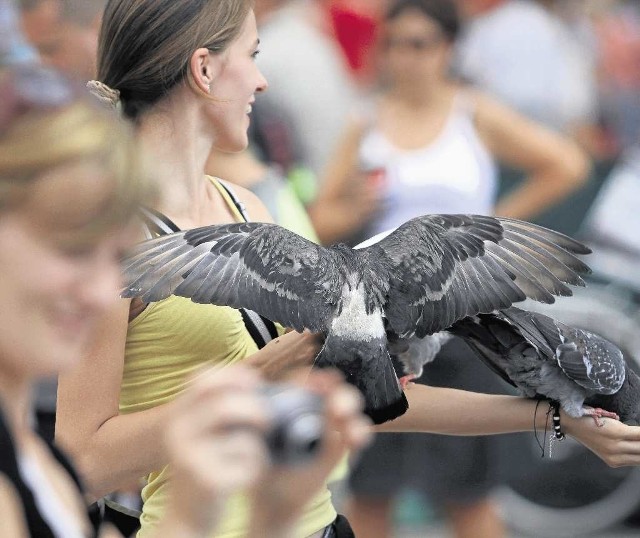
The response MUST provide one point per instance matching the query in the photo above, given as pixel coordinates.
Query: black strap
(36, 525)
(234, 198)
(261, 329)
(157, 223)
(340, 528)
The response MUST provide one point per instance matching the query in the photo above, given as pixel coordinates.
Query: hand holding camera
(229, 431)
(297, 424)
(282, 493)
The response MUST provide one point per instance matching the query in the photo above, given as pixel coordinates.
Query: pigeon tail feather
(368, 367)
(390, 412)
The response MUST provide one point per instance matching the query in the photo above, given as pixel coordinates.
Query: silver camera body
(297, 424)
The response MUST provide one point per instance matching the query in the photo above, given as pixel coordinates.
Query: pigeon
(418, 280)
(546, 359)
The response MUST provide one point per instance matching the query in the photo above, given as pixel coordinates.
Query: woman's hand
(215, 442)
(286, 355)
(615, 443)
(283, 492)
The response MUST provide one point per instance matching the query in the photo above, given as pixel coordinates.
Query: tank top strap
(156, 223)
(234, 203)
(464, 109)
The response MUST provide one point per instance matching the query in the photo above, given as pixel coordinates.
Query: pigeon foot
(405, 380)
(596, 413)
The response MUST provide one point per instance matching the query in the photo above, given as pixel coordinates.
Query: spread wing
(263, 267)
(591, 361)
(447, 267)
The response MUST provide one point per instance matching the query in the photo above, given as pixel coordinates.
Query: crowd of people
(122, 120)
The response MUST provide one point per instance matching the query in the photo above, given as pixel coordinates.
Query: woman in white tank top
(435, 141)
(455, 173)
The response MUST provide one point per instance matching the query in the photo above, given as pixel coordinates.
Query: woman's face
(235, 87)
(415, 50)
(56, 283)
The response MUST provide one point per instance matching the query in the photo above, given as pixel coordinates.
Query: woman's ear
(204, 67)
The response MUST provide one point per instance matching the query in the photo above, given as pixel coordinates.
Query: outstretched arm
(457, 412)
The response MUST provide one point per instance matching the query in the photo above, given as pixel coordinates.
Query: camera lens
(298, 425)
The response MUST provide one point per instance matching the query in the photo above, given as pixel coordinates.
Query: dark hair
(145, 45)
(443, 12)
(28, 4)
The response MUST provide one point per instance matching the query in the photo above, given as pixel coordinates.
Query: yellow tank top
(166, 344)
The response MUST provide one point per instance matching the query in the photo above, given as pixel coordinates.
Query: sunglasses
(26, 88)
(414, 44)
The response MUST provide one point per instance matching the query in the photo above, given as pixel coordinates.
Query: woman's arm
(11, 512)
(555, 165)
(345, 200)
(110, 449)
(457, 412)
(460, 412)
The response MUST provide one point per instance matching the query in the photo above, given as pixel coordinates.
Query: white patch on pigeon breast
(354, 322)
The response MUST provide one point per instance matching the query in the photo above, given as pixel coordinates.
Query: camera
(297, 427)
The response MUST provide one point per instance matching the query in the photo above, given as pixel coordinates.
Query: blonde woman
(184, 72)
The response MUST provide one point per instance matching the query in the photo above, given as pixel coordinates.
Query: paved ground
(416, 520)
(438, 531)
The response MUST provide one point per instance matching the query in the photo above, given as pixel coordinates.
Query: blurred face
(74, 51)
(69, 47)
(56, 282)
(235, 87)
(415, 50)
(40, 24)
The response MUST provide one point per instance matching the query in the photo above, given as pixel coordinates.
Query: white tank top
(453, 174)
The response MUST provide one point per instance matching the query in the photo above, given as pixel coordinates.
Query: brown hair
(37, 137)
(145, 45)
(443, 12)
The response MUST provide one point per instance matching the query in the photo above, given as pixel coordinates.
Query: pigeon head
(629, 398)
(625, 402)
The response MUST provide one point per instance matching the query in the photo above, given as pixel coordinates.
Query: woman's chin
(232, 146)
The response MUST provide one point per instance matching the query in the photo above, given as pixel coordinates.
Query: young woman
(436, 143)
(184, 72)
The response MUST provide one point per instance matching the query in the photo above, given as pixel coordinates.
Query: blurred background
(572, 66)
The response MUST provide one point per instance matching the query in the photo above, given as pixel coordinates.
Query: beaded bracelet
(557, 430)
